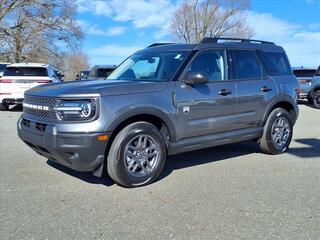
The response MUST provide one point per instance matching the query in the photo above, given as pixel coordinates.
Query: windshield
(304, 73)
(318, 71)
(154, 67)
(26, 71)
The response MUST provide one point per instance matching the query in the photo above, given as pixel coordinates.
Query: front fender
(136, 110)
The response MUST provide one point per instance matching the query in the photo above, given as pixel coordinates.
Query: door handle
(266, 89)
(224, 92)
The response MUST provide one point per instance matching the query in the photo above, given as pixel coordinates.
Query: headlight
(76, 110)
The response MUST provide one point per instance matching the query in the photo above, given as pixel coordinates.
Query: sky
(114, 29)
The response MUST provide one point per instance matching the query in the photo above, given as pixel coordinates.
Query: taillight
(44, 81)
(6, 81)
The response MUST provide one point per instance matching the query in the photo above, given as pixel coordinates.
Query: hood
(101, 87)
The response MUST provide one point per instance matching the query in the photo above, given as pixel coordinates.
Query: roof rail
(215, 40)
(157, 44)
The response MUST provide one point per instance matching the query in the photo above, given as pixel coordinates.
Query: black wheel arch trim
(281, 99)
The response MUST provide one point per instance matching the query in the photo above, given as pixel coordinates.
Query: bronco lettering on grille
(38, 107)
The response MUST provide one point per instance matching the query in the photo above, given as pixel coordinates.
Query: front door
(204, 109)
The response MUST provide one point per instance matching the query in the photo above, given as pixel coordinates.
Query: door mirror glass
(195, 78)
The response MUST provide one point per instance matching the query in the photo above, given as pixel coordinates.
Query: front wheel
(316, 99)
(277, 132)
(137, 155)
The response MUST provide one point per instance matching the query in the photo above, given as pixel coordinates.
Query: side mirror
(196, 78)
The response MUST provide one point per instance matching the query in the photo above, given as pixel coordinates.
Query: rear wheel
(277, 132)
(137, 155)
(4, 107)
(316, 99)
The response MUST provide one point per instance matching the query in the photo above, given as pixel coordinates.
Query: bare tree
(37, 30)
(197, 19)
(74, 63)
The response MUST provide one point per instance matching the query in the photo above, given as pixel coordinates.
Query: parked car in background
(83, 75)
(304, 76)
(163, 100)
(58, 74)
(315, 90)
(2, 67)
(19, 77)
(101, 71)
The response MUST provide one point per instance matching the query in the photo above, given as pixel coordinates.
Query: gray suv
(164, 100)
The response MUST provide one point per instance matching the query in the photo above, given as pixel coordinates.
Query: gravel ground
(227, 192)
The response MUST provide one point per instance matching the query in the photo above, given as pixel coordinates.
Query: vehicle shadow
(200, 157)
(310, 151)
(84, 176)
(209, 155)
(305, 102)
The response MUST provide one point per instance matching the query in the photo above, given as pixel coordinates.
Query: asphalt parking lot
(227, 192)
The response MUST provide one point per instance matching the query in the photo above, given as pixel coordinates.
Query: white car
(19, 77)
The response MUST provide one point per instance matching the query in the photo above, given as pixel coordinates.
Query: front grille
(40, 101)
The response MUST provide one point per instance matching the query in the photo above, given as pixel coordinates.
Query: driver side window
(211, 64)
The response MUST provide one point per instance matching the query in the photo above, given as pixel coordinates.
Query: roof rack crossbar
(215, 40)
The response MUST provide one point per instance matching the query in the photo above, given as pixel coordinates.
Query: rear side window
(26, 71)
(304, 72)
(276, 63)
(246, 65)
(318, 71)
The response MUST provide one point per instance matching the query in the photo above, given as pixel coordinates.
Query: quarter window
(276, 63)
(210, 63)
(246, 65)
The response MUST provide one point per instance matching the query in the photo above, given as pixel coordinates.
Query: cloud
(140, 13)
(114, 31)
(112, 53)
(301, 42)
(93, 29)
(98, 7)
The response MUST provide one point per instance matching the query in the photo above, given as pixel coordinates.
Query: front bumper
(79, 151)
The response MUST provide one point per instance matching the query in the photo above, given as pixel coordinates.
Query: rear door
(254, 88)
(205, 109)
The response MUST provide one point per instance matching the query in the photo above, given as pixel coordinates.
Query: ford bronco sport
(165, 99)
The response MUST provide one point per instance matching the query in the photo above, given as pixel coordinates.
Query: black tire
(117, 165)
(267, 145)
(310, 100)
(4, 107)
(316, 99)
